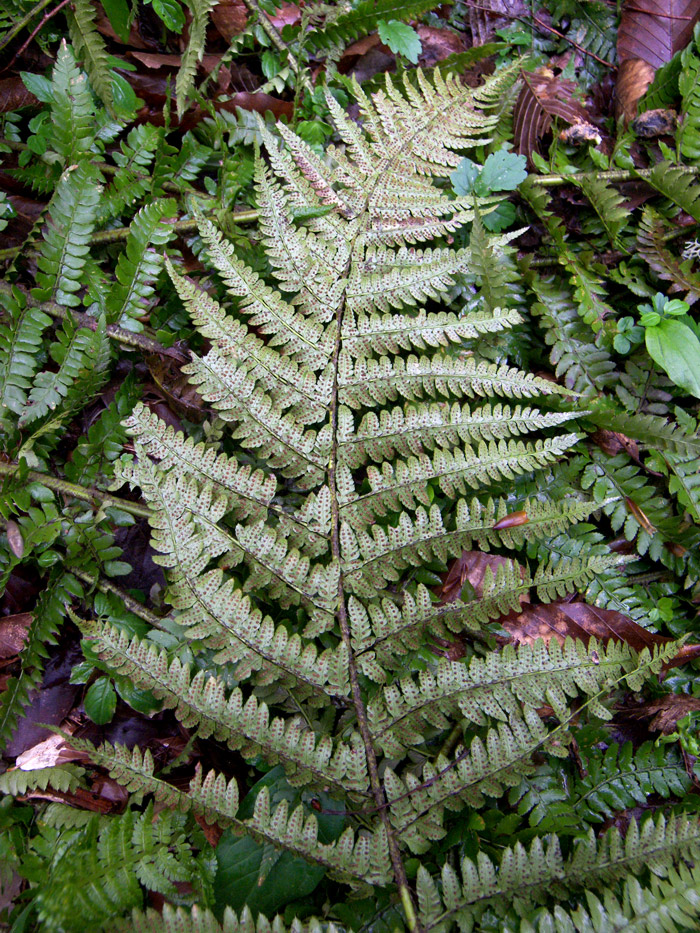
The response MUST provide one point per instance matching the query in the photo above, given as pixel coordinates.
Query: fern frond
(72, 110)
(561, 577)
(684, 482)
(381, 553)
(249, 492)
(194, 51)
(654, 431)
(77, 350)
(200, 920)
(608, 205)
(66, 242)
(132, 180)
(294, 333)
(526, 875)
(243, 725)
(640, 909)
(362, 860)
(417, 427)
(403, 483)
(624, 778)
(382, 632)
(91, 46)
(497, 687)
(343, 25)
(140, 263)
(688, 135)
(651, 246)
(486, 768)
(676, 185)
(370, 383)
(20, 340)
(585, 367)
(65, 778)
(494, 271)
(290, 384)
(391, 333)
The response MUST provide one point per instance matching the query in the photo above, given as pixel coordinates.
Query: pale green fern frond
(524, 876)
(200, 920)
(497, 687)
(666, 903)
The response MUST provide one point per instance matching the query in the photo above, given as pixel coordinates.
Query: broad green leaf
(676, 349)
(171, 12)
(38, 85)
(101, 701)
(502, 171)
(401, 38)
(464, 176)
(258, 875)
(118, 14)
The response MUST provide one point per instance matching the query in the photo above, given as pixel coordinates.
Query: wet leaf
(663, 714)
(101, 701)
(649, 35)
(472, 567)
(561, 620)
(13, 632)
(543, 96)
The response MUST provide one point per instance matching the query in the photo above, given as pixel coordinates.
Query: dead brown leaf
(472, 567)
(649, 35)
(13, 95)
(438, 44)
(288, 14)
(561, 620)
(542, 97)
(13, 633)
(230, 18)
(612, 442)
(663, 714)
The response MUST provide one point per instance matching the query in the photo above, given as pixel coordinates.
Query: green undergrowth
(383, 380)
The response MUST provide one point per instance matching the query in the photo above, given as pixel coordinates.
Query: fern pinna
(359, 444)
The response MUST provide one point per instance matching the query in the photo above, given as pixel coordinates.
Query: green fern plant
(366, 444)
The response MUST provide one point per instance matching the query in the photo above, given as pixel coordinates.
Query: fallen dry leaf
(561, 620)
(230, 18)
(13, 95)
(49, 753)
(612, 442)
(649, 35)
(438, 44)
(13, 632)
(472, 568)
(542, 97)
(663, 714)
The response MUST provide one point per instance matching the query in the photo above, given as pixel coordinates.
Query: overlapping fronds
(367, 430)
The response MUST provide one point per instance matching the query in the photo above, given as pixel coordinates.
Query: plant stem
(28, 17)
(78, 492)
(105, 237)
(616, 176)
(125, 337)
(106, 168)
(133, 605)
(272, 33)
